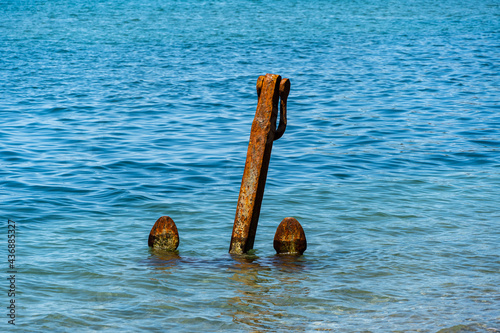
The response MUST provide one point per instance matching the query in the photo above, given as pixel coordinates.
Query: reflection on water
(264, 297)
(163, 259)
(259, 293)
(289, 263)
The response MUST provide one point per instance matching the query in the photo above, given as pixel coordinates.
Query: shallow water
(115, 113)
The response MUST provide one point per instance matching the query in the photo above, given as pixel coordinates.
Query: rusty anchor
(289, 237)
(271, 88)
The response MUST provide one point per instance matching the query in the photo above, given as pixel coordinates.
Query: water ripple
(116, 113)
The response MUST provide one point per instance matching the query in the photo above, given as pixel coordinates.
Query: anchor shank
(253, 182)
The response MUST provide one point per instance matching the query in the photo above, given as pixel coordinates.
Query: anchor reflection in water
(258, 290)
(266, 294)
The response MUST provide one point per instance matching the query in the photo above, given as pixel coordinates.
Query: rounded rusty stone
(290, 238)
(164, 235)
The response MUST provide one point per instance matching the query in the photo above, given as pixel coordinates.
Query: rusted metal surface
(164, 235)
(270, 88)
(290, 238)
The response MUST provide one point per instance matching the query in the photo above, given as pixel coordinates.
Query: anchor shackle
(282, 95)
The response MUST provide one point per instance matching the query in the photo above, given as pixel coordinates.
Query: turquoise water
(114, 113)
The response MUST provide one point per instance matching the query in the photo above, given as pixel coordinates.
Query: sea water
(114, 113)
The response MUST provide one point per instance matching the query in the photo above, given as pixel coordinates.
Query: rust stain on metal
(290, 238)
(164, 235)
(270, 88)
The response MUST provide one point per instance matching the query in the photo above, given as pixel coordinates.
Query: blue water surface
(114, 113)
